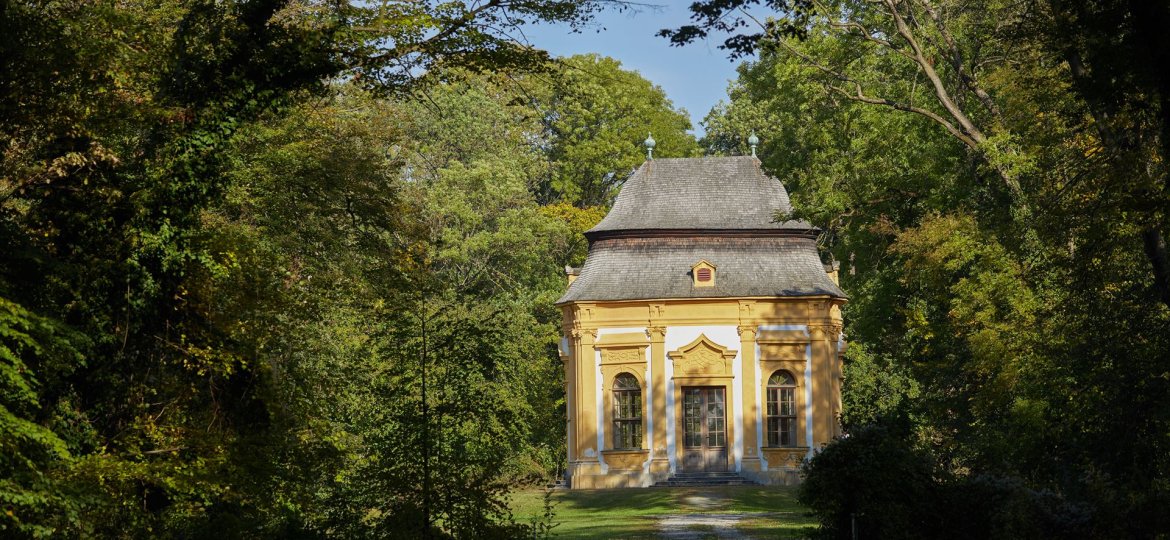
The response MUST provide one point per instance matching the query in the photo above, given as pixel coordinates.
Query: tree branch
(455, 26)
(859, 95)
(956, 58)
(940, 90)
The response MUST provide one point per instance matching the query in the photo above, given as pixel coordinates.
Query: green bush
(874, 480)
(878, 483)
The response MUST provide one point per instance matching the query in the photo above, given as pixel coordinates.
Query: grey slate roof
(652, 268)
(673, 213)
(699, 193)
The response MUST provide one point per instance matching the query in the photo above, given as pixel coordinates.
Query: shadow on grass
(778, 527)
(619, 501)
(628, 528)
(762, 499)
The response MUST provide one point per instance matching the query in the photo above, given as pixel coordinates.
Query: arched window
(627, 412)
(781, 409)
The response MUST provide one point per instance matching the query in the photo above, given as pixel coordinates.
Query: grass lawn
(632, 513)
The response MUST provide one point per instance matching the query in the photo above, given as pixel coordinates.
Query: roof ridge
(700, 193)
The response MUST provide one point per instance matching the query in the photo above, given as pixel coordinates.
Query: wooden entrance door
(704, 429)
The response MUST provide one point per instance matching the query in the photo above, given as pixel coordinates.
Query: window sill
(625, 459)
(785, 456)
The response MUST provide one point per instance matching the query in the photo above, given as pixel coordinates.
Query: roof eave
(802, 232)
(818, 296)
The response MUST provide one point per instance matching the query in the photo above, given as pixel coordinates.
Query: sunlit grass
(632, 513)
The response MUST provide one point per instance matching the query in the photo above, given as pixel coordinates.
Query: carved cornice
(782, 337)
(579, 333)
(827, 332)
(786, 345)
(626, 339)
(823, 312)
(746, 307)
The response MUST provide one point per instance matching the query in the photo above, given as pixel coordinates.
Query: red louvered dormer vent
(703, 274)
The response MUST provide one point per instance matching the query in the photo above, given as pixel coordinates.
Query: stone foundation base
(615, 479)
(779, 476)
(588, 475)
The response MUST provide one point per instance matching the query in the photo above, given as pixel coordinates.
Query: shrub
(879, 483)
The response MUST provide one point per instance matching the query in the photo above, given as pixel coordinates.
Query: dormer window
(703, 274)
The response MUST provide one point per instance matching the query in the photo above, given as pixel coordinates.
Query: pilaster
(751, 412)
(660, 460)
(586, 393)
(566, 351)
(837, 374)
(823, 382)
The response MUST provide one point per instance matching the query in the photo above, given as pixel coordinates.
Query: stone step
(704, 484)
(700, 479)
(703, 480)
(668, 483)
(710, 474)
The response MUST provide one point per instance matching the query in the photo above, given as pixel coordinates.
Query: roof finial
(649, 142)
(753, 141)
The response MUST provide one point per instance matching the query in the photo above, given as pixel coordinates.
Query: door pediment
(702, 358)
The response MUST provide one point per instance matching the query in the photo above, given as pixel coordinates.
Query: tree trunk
(1155, 246)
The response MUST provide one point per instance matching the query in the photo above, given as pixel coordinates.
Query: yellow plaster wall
(778, 350)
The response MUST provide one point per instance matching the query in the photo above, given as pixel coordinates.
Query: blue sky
(695, 77)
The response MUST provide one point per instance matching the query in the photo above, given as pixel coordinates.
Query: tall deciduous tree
(959, 53)
(993, 215)
(137, 398)
(596, 115)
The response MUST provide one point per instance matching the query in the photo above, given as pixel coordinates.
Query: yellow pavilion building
(701, 336)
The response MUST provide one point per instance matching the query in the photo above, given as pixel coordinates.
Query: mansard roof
(660, 268)
(709, 193)
(673, 213)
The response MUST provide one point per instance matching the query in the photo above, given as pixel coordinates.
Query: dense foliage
(281, 269)
(272, 268)
(993, 178)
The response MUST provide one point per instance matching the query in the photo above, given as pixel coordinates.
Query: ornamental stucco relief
(624, 356)
(702, 357)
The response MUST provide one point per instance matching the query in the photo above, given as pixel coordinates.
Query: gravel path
(701, 526)
(701, 523)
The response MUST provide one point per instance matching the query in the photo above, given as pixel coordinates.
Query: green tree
(33, 348)
(995, 241)
(596, 116)
(118, 127)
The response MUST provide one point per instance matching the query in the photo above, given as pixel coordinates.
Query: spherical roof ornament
(649, 142)
(753, 141)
